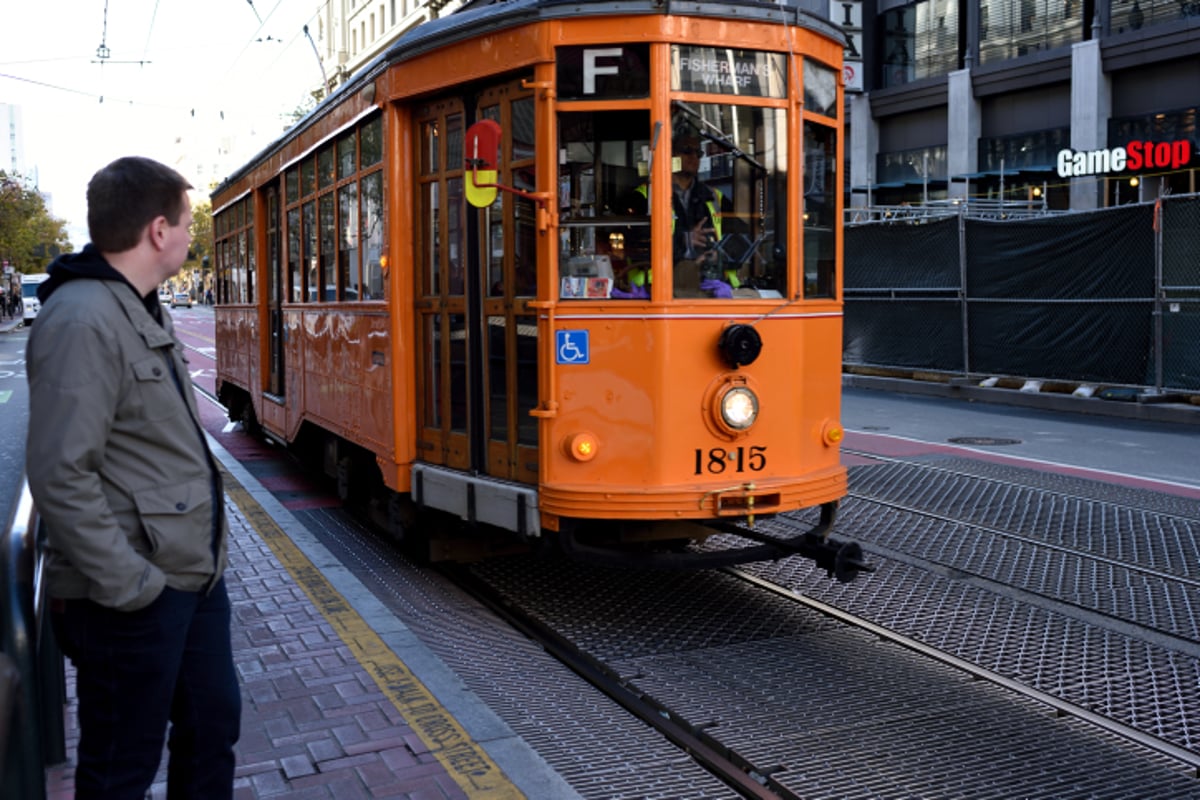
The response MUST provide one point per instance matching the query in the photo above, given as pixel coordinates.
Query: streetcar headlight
(739, 408)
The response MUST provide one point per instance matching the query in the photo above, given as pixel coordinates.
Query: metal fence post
(21, 588)
(962, 290)
(1159, 293)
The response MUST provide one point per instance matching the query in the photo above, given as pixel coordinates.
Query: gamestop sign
(1135, 156)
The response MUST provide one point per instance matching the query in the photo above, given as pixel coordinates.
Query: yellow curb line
(465, 760)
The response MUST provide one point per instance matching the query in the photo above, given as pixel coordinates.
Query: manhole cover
(982, 440)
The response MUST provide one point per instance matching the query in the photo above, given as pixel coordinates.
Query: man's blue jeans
(171, 661)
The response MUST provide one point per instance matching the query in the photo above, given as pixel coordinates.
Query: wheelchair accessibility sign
(572, 347)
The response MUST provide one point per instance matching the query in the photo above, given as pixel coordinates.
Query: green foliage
(202, 238)
(30, 237)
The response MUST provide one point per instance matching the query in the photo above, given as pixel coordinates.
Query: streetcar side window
(820, 210)
(233, 230)
(372, 235)
(603, 166)
(334, 220)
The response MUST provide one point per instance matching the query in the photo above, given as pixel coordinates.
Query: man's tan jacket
(116, 458)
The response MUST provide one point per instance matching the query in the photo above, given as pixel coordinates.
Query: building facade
(13, 129)
(1064, 103)
(350, 33)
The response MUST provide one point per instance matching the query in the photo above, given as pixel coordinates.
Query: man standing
(132, 500)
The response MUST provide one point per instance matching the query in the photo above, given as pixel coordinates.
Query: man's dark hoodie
(88, 263)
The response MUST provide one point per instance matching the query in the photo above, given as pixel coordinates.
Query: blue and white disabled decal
(573, 347)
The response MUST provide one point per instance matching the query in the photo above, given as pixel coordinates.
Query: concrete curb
(1168, 412)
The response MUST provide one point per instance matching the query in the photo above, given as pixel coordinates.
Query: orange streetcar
(569, 271)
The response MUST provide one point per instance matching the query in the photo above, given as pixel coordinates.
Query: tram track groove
(659, 675)
(1094, 566)
(1110, 607)
(958, 471)
(690, 740)
(1060, 706)
(1111, 621)
(692, 737)
(1029, 540)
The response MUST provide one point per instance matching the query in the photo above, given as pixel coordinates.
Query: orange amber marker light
(832, 433)
(582, 446)
(383, 264)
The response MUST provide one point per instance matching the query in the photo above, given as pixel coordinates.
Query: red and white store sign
(1133, 157)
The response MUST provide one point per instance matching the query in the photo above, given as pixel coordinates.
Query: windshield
(728, 202)
(29, 289)
(728, 196)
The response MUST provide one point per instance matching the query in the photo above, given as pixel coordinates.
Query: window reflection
(1014, 28)
(920, 40)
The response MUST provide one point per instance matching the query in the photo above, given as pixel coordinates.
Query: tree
(30, 237)
(200, 253)
(193, 275)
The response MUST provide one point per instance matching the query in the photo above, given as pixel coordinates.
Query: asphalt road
(1153, 451)
(14, 414)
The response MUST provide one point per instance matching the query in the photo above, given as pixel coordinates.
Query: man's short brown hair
(126, 196)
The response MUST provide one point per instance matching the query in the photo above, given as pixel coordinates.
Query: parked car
(181, 299)
(165, 298)
(29, 298)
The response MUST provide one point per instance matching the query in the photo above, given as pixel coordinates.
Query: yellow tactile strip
(466, 762)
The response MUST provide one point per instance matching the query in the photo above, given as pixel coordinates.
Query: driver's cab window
(728, 200)
(604, 240)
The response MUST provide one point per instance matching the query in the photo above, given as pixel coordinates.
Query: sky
(202, 86)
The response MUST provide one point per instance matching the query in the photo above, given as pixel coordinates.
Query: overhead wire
(150, 30)
(103, 97)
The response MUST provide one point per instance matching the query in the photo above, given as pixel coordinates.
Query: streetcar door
(507, 371)
(276, 280)
(477, 278)
(441, 307)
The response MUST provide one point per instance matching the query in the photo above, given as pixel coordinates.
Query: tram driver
(701, 218)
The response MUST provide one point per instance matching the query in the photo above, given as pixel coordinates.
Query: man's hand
(701, 236)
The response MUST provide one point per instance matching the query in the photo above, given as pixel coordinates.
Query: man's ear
(157, 232)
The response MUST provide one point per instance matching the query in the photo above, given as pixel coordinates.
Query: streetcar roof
(476, 19)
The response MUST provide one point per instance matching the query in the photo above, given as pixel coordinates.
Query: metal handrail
(36, 701)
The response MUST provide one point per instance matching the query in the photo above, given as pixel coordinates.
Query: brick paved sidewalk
(314, 724)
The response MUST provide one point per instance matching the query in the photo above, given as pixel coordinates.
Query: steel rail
(1060, 706)
(1032, 542)
(711, 757)
(1050, 491)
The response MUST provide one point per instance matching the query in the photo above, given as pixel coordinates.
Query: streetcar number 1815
(718, 460)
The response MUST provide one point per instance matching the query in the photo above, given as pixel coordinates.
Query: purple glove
(718, 288)
(635, 293)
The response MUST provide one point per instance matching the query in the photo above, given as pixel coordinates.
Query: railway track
(1118, 674)
(802, 699)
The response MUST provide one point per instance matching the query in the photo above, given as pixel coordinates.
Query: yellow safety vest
(638, 277)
